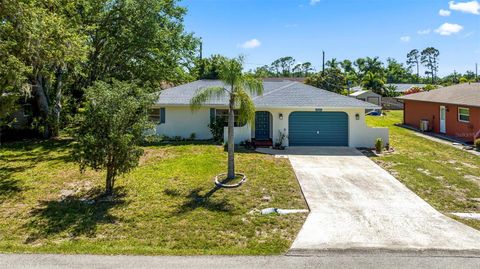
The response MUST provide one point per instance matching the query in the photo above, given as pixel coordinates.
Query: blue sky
(264, 30)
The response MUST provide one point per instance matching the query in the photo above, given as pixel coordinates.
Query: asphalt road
(384, 261)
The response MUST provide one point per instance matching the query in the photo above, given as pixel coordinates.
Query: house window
(222, 116)
(162, 115)
(154, 115)
(463, 114)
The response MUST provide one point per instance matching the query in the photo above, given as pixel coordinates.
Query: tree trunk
(42, 103)
(418, 72)
(231, 142)
(109, 184)
(57, 109)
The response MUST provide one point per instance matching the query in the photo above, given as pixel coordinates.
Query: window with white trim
(463, 114)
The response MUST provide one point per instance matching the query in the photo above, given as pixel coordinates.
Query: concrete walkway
(356, 206)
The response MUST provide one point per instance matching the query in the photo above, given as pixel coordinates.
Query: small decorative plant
(281, 137)
(477, 144)
(379, 145)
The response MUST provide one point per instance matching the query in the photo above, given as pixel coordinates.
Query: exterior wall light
(357, 116)
(280, 116)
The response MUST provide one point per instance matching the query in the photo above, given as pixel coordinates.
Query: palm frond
(205, 94)
(246, 108)
(253, 85)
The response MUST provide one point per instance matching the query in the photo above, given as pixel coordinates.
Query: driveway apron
(357, 206)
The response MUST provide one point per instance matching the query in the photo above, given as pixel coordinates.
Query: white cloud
(405, 38)
(472, 7)
(444, 12)
(251, 44)
(449, 28)
(314, 2)
(424, 32)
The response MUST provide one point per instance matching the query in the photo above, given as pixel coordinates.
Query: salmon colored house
(453, 110)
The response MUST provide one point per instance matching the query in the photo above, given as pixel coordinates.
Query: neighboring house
(400, 87)
(403, 87)
(308, 116)
(368, 96)
(453, 110)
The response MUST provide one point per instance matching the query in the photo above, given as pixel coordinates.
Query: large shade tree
(239, 88)
(60, 47)
(332, 79)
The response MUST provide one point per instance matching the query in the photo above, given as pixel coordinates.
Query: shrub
(477, 144)
(153, 139)
(413, 90)
(216, 128)
(379, 145)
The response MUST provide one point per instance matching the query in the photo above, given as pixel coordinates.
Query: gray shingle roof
(403, 87)
(355, 94)
(462, 94)
(276, 94)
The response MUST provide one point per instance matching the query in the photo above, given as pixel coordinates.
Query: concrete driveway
(357, 206)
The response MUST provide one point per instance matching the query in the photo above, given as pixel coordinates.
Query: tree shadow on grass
(8, 187)
(77, 215)
(36, 151)
(195, 199)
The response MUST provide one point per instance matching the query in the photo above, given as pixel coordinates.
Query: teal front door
(262, 125)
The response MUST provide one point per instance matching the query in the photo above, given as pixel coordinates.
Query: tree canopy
(57, 48)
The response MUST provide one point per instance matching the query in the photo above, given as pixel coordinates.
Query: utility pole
(476, 71)
(454, 76)
(323, 62)
(201, 50)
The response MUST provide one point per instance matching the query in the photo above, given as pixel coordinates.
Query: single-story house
(453, 110)
(400, 87)
(403, 87)
(368, 96)
(305, 115)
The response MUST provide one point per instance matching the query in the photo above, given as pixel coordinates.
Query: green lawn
(159, 208)
(446, 177)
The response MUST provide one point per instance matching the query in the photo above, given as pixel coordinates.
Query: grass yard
(46, 203)
(446, 177)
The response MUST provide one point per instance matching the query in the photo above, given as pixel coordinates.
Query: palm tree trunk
(231, 143)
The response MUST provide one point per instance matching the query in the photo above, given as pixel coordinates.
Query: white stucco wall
(181, 121)
(360, 135)
(240, 133)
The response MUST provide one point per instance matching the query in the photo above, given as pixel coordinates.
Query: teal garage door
(318, 129)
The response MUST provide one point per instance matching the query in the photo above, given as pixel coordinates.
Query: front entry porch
(263, 137)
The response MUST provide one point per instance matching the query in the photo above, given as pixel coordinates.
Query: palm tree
(238, 87)
(373, 82)
(333, 63)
